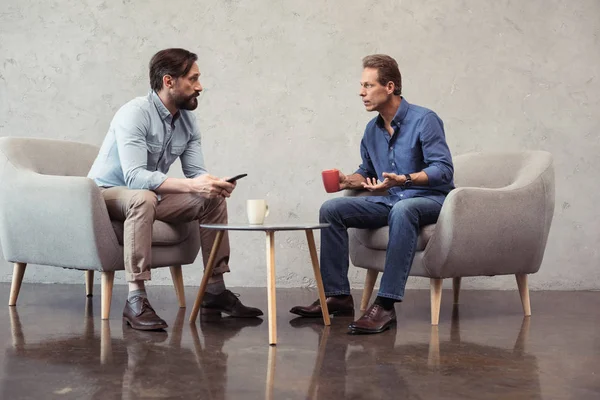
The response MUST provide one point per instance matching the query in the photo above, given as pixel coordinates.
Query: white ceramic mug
(257, 211)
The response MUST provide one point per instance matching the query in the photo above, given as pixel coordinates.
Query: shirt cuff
(362, 172)
(434, 175)
(155, 180)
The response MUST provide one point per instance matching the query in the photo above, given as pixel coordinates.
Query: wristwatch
(408, 182)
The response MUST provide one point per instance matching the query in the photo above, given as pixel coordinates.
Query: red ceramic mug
(331, 180)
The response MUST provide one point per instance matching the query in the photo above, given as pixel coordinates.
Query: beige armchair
(51, 214)
(495, 222)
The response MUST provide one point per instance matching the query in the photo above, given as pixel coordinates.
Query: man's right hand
(343, 181)
(210, 186)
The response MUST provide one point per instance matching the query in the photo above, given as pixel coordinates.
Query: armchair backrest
(496, 170)
(47, 156)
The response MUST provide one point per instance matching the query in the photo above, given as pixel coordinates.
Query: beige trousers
(138, 209)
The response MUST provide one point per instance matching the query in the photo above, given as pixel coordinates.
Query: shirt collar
(400, 114)
(160, 107)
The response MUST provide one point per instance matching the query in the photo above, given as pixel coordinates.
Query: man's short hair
(174, 62)
(387, 70)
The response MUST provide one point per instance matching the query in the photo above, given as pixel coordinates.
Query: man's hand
(343, 181)
(373, 185)
(210, 186)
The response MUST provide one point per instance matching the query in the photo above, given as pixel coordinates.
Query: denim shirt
(143, 141)
(418, 144)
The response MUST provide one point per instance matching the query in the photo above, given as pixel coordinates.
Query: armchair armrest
(482, 231)
(55, 220)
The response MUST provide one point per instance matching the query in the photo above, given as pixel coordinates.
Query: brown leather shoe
(375, 320)
(227, 303)
(335, 306)
(139, 314)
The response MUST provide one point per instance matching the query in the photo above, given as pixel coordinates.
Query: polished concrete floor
(57, 347)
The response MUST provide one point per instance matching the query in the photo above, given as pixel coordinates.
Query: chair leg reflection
(106, 353)
(434, 358)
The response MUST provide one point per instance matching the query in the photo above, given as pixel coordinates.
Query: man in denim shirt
(404, 152)
(144, 139)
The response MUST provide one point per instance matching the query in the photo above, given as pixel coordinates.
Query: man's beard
(187, 102)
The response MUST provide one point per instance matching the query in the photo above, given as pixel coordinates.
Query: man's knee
(144, 200)
(403, 211)
(329, 210)
(213, 210)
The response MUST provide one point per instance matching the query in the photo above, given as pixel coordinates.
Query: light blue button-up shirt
(143, 141)
(418, 144)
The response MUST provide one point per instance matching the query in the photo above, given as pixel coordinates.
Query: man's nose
(198, 87)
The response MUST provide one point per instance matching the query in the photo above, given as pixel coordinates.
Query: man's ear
(168, 81)
(390, 87)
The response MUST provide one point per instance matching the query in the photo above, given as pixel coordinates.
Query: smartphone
(235, 178)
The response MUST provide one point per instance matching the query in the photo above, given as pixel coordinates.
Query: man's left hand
(390, 180)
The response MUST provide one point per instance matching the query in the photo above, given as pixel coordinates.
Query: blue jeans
(405, 218)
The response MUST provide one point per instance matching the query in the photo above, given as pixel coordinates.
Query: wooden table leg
(272, 310)
(315, 263)
(207, 274)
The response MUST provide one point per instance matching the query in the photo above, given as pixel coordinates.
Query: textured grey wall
(280, 100)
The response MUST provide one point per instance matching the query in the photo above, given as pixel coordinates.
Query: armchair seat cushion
(377, 239)
(163, 233)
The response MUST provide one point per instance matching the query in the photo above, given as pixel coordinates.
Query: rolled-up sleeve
(436, 153)
(130, 126)
(366, 169)
(192, 159)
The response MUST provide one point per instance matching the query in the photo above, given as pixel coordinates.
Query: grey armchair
(52, 214)
(496, 222)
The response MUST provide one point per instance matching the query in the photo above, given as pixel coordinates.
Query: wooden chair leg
(524, 292)
(436, 299)
(89, 283)
(17, 279)
(108, 278)
(456, 289)
(177, 276)
(368, 289)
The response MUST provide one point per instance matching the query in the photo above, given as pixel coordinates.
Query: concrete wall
(280, 100)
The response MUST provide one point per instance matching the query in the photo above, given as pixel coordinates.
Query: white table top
(265, 227)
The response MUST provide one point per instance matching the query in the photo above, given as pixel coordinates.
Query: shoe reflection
(97, 363)
(387, 366)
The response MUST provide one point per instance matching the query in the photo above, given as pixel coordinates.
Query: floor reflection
(193, 361)
(100, 365)
(377, 367)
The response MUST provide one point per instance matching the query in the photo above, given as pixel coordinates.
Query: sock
(341, 296)
(216, 284)
(385, 302)
(139, 292)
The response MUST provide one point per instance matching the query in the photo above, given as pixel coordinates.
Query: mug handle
(266, 210)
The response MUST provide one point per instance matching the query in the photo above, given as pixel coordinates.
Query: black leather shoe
(375, 320)
(336, 306)
(227, 303)
(139, 314)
